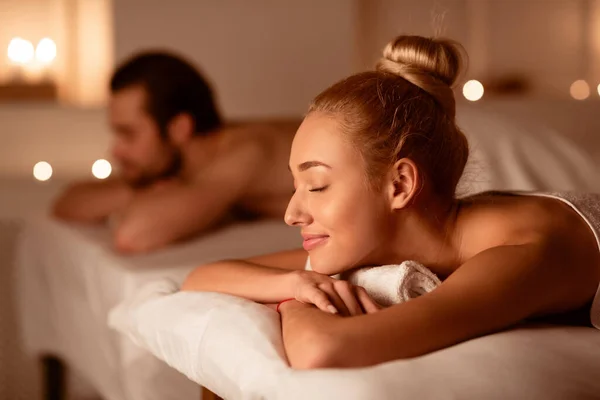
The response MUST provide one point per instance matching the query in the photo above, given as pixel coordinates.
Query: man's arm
(495, 290)
(155, 219)
(92, 201)
(178, 211)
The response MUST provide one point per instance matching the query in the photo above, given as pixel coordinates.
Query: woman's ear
(403, 183)
(181, 128)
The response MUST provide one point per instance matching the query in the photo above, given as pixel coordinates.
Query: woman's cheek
(333, 213)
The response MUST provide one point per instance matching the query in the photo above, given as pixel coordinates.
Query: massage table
(233, 347)
(69, 278)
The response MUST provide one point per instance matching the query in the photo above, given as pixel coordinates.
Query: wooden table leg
(208, 395)
(54, 373)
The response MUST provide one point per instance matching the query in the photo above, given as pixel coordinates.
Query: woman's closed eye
(319, 189)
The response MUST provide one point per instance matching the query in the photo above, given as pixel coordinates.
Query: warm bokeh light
(473, 90)
(20, 51)
(45, 51)
(101, 169)
(598, 89)
(580, 90)
(42, 171)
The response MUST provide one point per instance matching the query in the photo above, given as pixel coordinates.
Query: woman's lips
(312, 242)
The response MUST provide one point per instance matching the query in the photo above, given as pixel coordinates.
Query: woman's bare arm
(264, 279)
(494, 290)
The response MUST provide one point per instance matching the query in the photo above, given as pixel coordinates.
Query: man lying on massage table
(376, 163)
(182, 170)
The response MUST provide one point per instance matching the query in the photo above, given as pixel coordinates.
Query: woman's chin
(322, 266)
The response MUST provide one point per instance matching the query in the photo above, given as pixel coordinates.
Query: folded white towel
(393, 284)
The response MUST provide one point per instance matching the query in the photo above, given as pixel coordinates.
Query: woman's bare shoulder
(565, 245)
(506, 219)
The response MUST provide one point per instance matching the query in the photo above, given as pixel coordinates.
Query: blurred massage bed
(69, 280)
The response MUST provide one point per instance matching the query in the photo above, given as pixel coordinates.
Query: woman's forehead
(320, 138)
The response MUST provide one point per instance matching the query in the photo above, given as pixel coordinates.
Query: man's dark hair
(172, 86)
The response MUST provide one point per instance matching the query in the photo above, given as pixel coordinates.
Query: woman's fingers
(320, 299)
(337, 297)
(347, 293)
(368, 304)
(329, 289)
(343, 296)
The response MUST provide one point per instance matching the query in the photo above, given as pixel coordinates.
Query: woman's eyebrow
(310, 164)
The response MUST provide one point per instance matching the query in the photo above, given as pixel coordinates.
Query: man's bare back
(265, 147)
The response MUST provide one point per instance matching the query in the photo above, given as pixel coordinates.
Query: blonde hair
(405, 108)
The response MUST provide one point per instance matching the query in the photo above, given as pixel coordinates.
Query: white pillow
(230, 344)
(233, 347)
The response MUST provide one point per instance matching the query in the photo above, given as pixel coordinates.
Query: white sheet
(233, 346)
(510, 154)
(69, 279)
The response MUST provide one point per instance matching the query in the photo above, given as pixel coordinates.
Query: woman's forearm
(316, 339)
(311, 337)
(243, 279)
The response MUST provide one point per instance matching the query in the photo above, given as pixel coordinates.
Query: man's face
(141, 154)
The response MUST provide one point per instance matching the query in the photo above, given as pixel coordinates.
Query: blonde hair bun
(434, 65)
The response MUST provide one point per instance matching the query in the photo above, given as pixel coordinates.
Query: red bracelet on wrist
(281, 302)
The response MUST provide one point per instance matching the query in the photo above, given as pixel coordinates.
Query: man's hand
(92, 201)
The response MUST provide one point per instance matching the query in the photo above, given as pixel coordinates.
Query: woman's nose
(295, 214)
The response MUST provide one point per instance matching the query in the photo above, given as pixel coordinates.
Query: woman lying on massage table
(376, 163)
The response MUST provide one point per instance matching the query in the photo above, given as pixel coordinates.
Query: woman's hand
(332, 295)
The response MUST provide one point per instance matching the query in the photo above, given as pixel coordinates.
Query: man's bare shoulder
(244, 151)
(253, 157)
(258, 142)
(289, 124)
(265, 130)
(237, 161)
